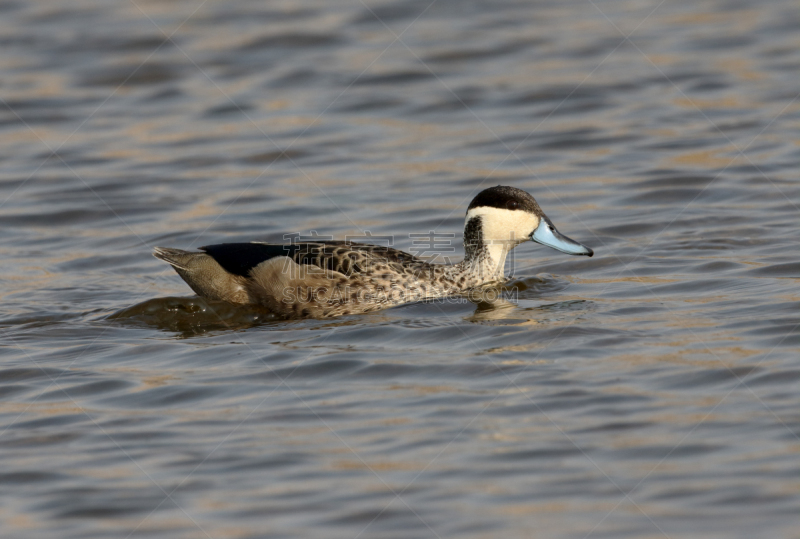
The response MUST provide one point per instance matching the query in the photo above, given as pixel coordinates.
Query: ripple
(709, 377)
(133, 74)
(291, 40)
(788, 269)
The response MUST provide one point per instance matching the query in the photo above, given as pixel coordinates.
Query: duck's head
(510, 216)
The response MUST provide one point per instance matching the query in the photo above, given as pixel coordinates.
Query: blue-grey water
(651, 391)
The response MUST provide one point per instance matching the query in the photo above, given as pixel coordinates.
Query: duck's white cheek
(524, 225)
(533, 224)
(504, 225)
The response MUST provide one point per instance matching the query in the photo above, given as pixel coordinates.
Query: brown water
(651, 391)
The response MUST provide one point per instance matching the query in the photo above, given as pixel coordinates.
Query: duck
(326, 279)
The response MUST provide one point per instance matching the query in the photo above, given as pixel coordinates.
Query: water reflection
(192, 316)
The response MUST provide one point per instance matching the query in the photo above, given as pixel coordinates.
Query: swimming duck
(324, 279)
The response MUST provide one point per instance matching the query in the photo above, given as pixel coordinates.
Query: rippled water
(651, 391)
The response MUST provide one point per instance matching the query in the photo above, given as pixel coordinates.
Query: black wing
(341, 256)
(240, 258)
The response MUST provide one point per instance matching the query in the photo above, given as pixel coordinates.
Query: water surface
(650, 391)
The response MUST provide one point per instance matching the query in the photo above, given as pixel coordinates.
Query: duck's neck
(484, 258)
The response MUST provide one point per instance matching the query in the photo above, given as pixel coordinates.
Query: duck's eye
(512, 205)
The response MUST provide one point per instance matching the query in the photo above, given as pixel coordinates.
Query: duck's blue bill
(546, 234)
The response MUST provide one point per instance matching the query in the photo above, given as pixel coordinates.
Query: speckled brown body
(324, 280)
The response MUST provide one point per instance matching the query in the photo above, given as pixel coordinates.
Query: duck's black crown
(506, 198)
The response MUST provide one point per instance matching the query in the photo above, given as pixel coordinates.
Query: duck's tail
(177, 258)
(202, 273)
